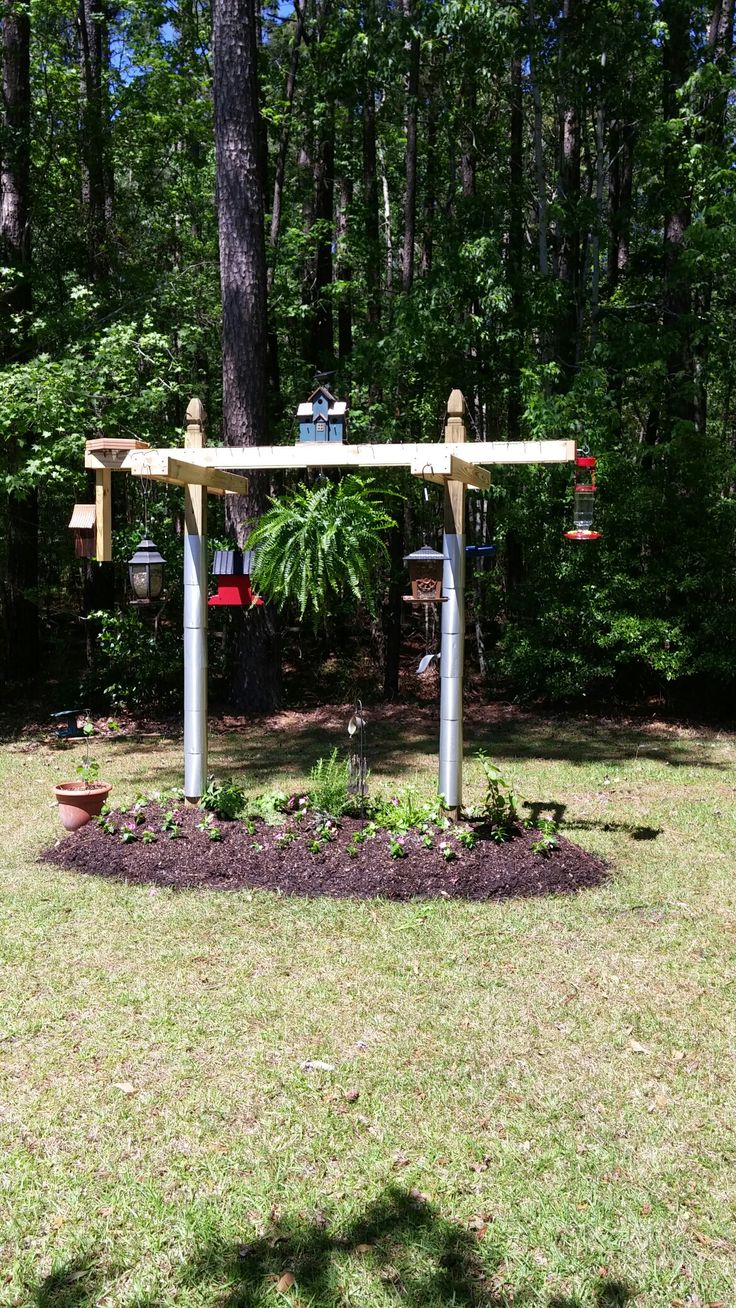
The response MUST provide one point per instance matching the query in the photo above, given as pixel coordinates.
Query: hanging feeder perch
(232, 569)
(584, 500)
(146, 573)
(425, 573)
(82, 525)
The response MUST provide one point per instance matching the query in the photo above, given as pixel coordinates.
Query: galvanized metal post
(453, 624)
(195, 619)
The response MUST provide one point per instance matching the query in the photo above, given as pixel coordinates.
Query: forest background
(528, 201)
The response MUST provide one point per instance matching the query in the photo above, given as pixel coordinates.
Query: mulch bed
(258, 856)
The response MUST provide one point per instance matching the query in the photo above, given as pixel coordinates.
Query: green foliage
(319, 544)
(547, 840)
(406, 811)
(270, 807)
(499, 803)
(226, 799)
(136, 665)
(328, 785)
(210, 829)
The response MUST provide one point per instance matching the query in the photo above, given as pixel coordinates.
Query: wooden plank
(448, 467)
(184, 471)
(103, 516)
(105, 452)
(329, 455)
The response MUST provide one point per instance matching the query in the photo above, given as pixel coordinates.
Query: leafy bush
(406, 810)
(226, 799)
(136, 666)
(328, 785)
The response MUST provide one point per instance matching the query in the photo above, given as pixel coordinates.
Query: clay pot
(78, 803)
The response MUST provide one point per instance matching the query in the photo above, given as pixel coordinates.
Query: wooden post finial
(455, 429)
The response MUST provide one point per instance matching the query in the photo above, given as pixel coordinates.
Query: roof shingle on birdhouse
(322, 417)
(232, 568)
(82, 524)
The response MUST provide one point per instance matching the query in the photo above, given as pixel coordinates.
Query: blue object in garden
(68, 728)
(481, 550)
(322, 417)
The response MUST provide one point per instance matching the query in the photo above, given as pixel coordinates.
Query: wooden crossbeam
(446, 467)
(160, 465)
(335, 455)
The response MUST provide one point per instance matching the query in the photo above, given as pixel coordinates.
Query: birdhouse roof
(232, 563)
(83, 517)
(322, 390)
(423, 555)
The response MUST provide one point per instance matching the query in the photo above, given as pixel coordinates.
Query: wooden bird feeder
(232, 570)
(425, 574)
(82, 524)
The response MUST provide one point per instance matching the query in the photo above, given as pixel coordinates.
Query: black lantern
(146, 573)
(425, 572)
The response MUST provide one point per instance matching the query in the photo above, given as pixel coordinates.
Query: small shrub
(225, 799)
(397, 847)
(207, 826)
(270, 806)
(149, 837)
(499, 805)
(448, 852)
(328, 785)
(547, 837)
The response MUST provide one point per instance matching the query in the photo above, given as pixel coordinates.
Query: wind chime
(358, 771)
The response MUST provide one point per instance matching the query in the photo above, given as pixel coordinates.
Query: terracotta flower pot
(78, 803)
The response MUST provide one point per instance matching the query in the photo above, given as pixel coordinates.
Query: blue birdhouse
(322, 417)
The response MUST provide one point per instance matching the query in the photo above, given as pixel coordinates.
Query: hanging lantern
(146, 573)
(425, 573)
(584, 499)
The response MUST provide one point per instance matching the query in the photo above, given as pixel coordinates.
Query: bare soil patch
(284, 859)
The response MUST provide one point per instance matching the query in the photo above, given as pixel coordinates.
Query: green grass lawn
(526, 1103)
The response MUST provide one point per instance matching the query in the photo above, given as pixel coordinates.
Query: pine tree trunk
(97, 183)
(569, 233)
(411, 47)
(516, 246)
(19, 645)
(280, 168)
(256, 678)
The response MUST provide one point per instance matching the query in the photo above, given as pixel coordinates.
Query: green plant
(315, 846)
(105, 824)
(448, 852)
(270, 806)
(328, 785)
(284, 839)
(149, 837)
(427, 841)
(89, 768)
(223, 798)
(321, 543)
(207, 825)
(547, 841)
(405, 811)
(128, 835)
(499, 805)
(137, 665)
(397, 846)
(170, 825)
(466, 838)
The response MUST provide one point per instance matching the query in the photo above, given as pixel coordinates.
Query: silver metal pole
(195, 664)
(195, 620)
(451, 671)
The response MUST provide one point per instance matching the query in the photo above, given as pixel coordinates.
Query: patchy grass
(526, 1103)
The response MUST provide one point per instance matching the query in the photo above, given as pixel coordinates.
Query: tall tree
(20, 581)
(256, 668)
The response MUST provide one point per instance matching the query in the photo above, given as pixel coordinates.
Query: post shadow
(425, 1259)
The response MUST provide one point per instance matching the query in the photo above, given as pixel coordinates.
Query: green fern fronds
(321, 543)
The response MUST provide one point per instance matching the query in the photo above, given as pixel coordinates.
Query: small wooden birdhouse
(322, 417)
(425, 573)
(82, 524)
(232, 570)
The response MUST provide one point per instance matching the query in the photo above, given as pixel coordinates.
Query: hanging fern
(321, 543)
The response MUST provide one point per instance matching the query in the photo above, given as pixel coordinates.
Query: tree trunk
(255, 668)
(370, 207)
(18, 596)
(411, 47)
(539, 169)
(97, 184)
(620, 189)
(569, 235)
(344, 270)
(322, 343)
(280, 169)
(516, 246)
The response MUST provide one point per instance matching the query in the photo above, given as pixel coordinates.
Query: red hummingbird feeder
(584, 500)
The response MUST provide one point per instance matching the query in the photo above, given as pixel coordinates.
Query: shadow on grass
(400, 1246)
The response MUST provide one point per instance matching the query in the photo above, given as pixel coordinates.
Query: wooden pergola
(457, 464)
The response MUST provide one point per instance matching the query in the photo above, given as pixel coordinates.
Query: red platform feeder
(232, 570)
(585, 488)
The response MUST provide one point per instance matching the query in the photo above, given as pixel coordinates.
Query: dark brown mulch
(253, 859)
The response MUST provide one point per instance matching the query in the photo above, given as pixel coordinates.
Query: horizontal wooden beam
(446, 467)
(334, 455)
(161, 465)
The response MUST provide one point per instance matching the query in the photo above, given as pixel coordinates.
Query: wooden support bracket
(443, 466)
(103, 516)
(160, 466)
